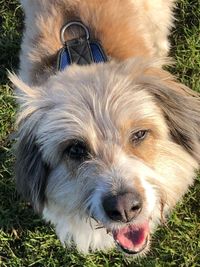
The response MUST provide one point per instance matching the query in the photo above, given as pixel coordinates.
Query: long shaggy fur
(102, 105)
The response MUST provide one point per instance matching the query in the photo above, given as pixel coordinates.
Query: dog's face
(114, 144)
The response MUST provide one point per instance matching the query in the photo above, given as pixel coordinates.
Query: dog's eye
(77, 150)
(138, 136)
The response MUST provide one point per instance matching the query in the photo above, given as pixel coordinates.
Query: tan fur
(102, 17)
(146, 150)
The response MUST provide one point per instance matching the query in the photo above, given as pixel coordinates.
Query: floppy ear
(181, 108)
(31, 172)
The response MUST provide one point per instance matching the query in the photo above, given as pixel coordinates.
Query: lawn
(25, 240)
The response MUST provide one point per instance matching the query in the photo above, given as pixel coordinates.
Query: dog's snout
(123, 207)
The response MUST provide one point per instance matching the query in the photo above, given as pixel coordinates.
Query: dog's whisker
(108, 231)
(90, 222)
(99, 227)
(87, 218)
(162, 217)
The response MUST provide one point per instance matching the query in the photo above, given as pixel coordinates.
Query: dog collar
(81, 51)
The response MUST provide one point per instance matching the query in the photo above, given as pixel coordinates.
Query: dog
(105, 149)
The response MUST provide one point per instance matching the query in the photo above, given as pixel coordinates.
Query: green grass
(25, 240)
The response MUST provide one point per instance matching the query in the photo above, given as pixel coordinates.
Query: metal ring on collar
(65, 27)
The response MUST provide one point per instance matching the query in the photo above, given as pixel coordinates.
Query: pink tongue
(131, 237)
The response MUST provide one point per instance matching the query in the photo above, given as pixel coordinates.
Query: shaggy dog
(104, 150)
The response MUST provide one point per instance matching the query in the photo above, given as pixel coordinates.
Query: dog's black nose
(123, 207)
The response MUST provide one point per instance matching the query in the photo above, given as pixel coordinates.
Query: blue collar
(81, 51)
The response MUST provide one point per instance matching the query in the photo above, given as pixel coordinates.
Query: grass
(25, 240)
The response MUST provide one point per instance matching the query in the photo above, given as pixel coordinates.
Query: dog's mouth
(132, 239)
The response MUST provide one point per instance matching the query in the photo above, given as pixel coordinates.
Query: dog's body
(132, 29)
(113, 145)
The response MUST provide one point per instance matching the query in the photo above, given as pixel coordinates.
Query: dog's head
(115, 143)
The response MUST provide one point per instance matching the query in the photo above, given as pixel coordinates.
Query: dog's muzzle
(125, 208)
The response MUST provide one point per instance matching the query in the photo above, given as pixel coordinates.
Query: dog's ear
(181, 108)
(23, 89)
(31, 172)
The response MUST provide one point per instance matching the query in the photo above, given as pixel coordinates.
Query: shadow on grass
(14, 213)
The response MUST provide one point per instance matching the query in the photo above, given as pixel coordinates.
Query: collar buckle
(81, 51)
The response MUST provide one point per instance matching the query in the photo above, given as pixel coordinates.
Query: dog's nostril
(136, 208)
(134, 212)
(123, 207)
(114, 215)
